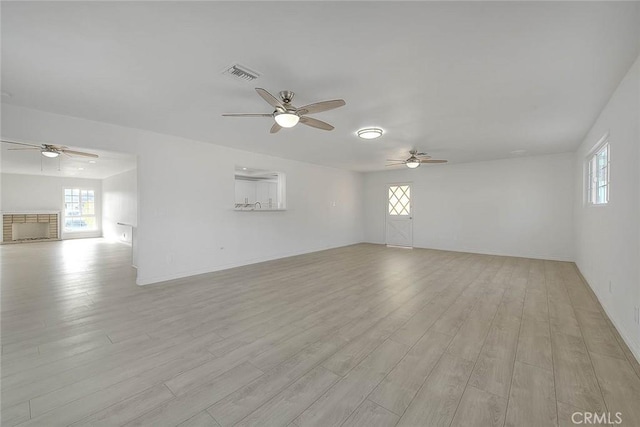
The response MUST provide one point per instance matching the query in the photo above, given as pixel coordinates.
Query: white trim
(497, 253)
(143, 281)
(591, 170)
(386, 208)
(597, 145)
(26, 212)
(258, 210)
(635, 349)
(91, 234)
(81, 234)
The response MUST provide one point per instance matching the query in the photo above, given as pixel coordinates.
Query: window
(598, 176)
(79, 210)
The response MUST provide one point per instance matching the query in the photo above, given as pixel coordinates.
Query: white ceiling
(463, 81)
(31, 162)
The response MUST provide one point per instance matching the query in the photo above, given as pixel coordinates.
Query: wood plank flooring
(363, 335)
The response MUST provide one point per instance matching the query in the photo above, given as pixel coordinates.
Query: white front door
(399, 216)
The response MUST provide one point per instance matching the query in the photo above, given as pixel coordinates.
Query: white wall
(607, 243)
(517, 207)
(186, 221)
(23, 193)
(1, 208)
(119, 204)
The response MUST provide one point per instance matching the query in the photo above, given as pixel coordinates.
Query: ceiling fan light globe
(287, 120)
(50, 153)
(412, 164)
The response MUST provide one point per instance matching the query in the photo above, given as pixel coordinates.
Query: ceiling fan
(287, 116)
(50, 150)
(415, 160)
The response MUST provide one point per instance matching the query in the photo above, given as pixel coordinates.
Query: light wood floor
(358, 336)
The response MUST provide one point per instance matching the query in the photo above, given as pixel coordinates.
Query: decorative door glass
(399, 200)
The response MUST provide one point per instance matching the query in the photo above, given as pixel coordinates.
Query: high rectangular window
(598, 176)
(79, 210)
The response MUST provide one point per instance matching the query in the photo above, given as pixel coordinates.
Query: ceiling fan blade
(315, 123)
(272, 100)
(432, 161)
(21, 143)
(20, 149)
(396, 160)
(275, 128)
(78, 153)
(321, 106)
(395, 164)
(247, 115)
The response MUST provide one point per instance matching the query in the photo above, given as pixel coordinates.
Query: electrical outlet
(636, 314)
(610, 291)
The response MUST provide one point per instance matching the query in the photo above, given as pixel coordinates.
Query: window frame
(592, 174)
(64, 215)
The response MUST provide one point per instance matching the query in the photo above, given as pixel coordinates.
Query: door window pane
(399, 200)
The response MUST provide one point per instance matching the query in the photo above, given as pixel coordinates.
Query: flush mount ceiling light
(370, 133)
(287, 120)
(49, 152)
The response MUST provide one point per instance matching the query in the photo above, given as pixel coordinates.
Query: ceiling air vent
(242, 73)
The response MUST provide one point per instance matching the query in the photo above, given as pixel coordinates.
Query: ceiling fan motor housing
(286, 96)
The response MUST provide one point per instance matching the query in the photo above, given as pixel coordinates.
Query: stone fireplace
(26, 227)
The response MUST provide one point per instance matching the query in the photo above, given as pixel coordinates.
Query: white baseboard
(634, 347)
(81, 235)
(116, 240)
(485, 252)
(143, 281)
